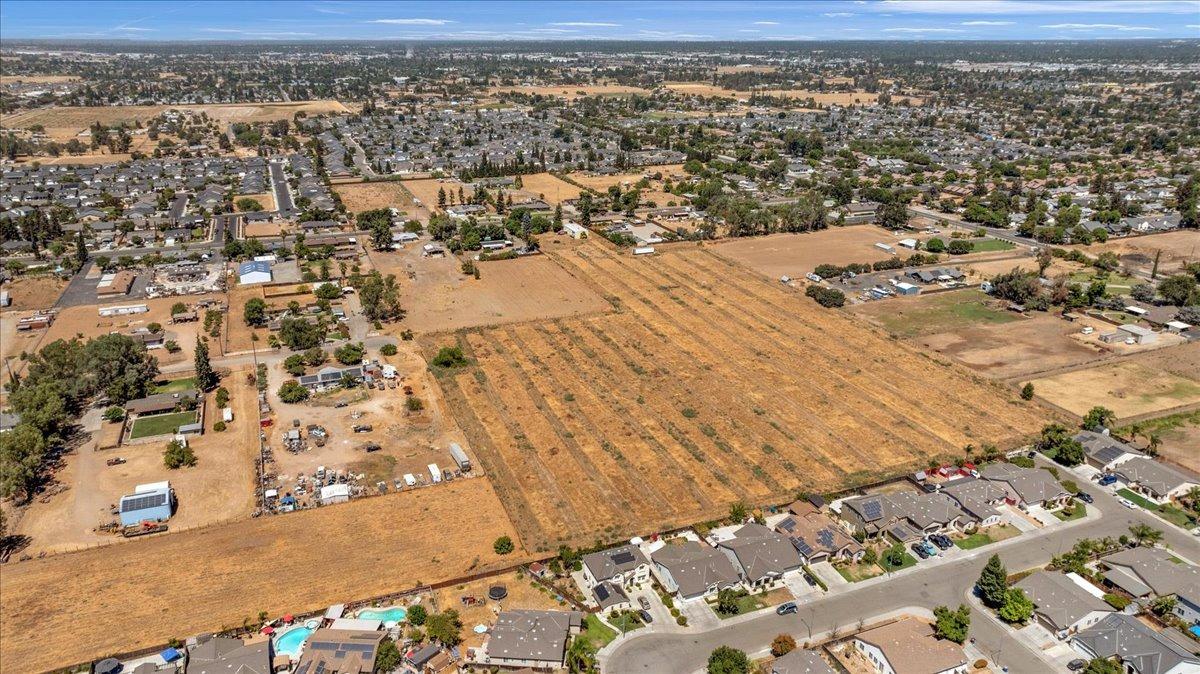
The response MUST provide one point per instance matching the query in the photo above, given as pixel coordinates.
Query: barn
(154, 502)
(255, 271)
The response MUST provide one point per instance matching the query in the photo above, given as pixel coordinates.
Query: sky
(293, 20)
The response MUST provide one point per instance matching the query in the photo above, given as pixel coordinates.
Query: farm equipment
(115, 461)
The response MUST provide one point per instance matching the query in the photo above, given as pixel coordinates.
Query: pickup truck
(1107, 480)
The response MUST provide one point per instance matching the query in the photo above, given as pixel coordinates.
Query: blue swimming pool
(394, 614)
(289, 643)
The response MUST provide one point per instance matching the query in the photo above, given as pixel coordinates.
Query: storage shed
(255, 271)
(148, 503)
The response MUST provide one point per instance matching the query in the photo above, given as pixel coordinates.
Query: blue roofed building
(153, 502)
(255, 271)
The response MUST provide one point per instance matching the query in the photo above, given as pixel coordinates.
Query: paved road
(279, 184)
(947, 583)
(1003, 234)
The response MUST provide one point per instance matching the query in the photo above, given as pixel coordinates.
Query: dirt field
(426, 190)
(238, 335)
(360, 197)
(439, 297)
(1179, 445)
(822, 98)
(1137, 252)
(571, 92)
(553, 190)
(1129, 388)
(219, 488)
(797, 254)
(143, 593)
(63, 123)
(266, 200)
(34, 292)
(36, 79)
(688, 398)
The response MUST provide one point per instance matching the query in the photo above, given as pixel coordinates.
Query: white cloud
(1098, 26)
(988, 23)
(587, 24)
(766, 23)
(834, 15)
(1193, 25)
(326, 9)
(135, 29)
(749, 30)
(1040, 6)
(412, 22)
(923, 30)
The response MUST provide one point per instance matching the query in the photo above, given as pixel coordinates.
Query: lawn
(857, 572)
(627, 621)
(943, 312)
(175, 385)
(160, 424)
(745, 604)
(1136, 498)
(1077, 512)
(977, 540)
(907, 561)
(990, 245)
(1166, 511)
(596, 632)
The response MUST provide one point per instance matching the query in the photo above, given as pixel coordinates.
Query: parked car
(646, 617)
(786, 608)
(1077, 664)
(362, 428)
(1126, 502)
(919, 550)
(943, 542)
(1085, 497)
(644, 602)
(929, 549)
(1107, 480)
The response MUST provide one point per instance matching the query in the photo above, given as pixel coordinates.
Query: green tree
(22, 453)
(1027, 391)
(388, 657)
(177, 455)
(449, 356)
(41, 404)
(727, 601)
(387, 350)
(292, 392)
(114, 414)
(1179, 290)
(380, 297)
(1017, 607)
(350, 354)
(206, 379)
(1056, 440)
(327, 291)
(935, 245)
(1145, 534)
(255, 311)
(416, 615)
(952, 625)
(581, 656)
(444, 627)
(738, 512)
(992, 585)
(728, 660)
(1098, 418)
(300, 334)
(503, 545)
(1102, 666)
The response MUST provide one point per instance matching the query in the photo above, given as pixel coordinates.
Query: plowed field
(708, 384)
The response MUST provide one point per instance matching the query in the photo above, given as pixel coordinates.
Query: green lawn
(944, 312)
(175, 385)
(906, 562)
(993, 534)
(746, 604)
(1168, 512)
(596, 632)
(976, 540)
(1076, 513)
(160, 424)
(1136, 498)
(628, 621)
(990, 245)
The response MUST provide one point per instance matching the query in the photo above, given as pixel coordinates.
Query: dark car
(784, 609)
(919, 549)
(941, 541)
(645, 615)
(1085, 497)
(1077, 664)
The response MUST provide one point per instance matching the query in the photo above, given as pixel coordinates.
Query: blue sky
(562, 20)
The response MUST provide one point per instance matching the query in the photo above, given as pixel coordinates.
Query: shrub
(222, 397)
(387, 350)
(114, 414)
(1027, 392)
(782, 645)
(826, 297)
(292, 392)
(503, 545)
(219, 427)
(450, 356)
(1117, 601)
(172, 346)
(416, 615)
(414, 404)
(681, 621)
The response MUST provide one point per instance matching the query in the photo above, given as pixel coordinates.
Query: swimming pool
(394, 614)
(289, 643)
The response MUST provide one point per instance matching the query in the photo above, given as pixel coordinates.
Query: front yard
(906, 560)
(994, 534)
(1166, 511)
(596, 632)
(857, 572)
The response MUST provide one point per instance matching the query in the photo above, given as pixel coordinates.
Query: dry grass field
(34, 292)
(797, 254)
(1137, 252)
(1129, 387)
(81, 606)
(360, 197)
(426, 190)
(36, 79)
(570, 92)
(265, 199)
(550, 188)
(822, 98)
(708, 385)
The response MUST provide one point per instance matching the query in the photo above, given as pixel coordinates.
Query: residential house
(221, 655)
(978, 498)
(528, 638)
(762, 556)
(1027, 486)
(904, 516)
(801, 661)
(817, 537)
(1064, 603)
(624, 565)
(161, 402)
(1156, 481)
(693, 570)
(1146, 573)
(329, 377)
(1140, 649)
(1104, 451)
(909, 646)
(341, 651)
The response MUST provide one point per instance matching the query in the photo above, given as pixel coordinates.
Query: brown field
(426, 190)
(266, 200)
(34, 292)
(80, 159)
(822, 98)
(550, 188)
(507, 291)
(745, 68)
(1137, 252)
(63, 123)
(1130, 388)
(797, 254)
(36, 79)
(238, 335)
(1179, 445)
(143, 593)
(219, 488)
(601, 183)
(253, 229)
(360, 197)
(571, 92)
(708, 385)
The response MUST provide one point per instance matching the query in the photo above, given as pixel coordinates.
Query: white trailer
(435, 473)
(410, 480)
(460, 457)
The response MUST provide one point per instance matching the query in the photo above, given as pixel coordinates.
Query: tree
(255, 311)
(727, 601)
(42, 406)
(292, 392)
(503, 545)
(380, 297)
(892, 215)
(177, 455)
(1145, 534)
(206, 379)
(1056, 441)
(248, 204)
(178, 308)
(388, 657)
(81, 253)
(1163, 606)
(581, 656)
(449, 356)
(327, 291)
(114, 414)
(22, 452)
(952, 625)
(1179, 290)
(300, 334)
(1027, 391)
(992, 585)
(727, 660)
(783, 644)
(387, 350)
(738, 512)
(416, 615)
(1017, 607)
(935, 245)
(1098, 418)
(350, 354)
(444, 627)
(1103, 666)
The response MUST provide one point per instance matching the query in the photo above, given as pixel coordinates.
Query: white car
(1125, 502)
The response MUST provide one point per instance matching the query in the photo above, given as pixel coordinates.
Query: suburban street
(1003, 234)
(925, 586)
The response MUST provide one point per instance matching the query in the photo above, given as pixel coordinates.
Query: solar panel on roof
(802, 546)
(142, 502)
(825, 538)
(873, 509)
(602, 592)
(622, 557)
(788, 525)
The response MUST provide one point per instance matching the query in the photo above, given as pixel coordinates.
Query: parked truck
(460, 457)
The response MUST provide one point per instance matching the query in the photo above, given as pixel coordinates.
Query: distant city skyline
(303, 20)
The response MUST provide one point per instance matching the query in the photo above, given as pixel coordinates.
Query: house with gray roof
(222, 655)
(1156, 481)
(529, 638)
(762, 556)
(801, 661)
(1146, 573)
(903, 515)
(1104, 451)
(1063, 604)
(1027, 486)
(1139, 649)
(693, 570)
(624, 565)
(329, 377)
(978, 498)
(609, 595)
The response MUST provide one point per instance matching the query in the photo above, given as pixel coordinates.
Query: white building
(255, 271)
